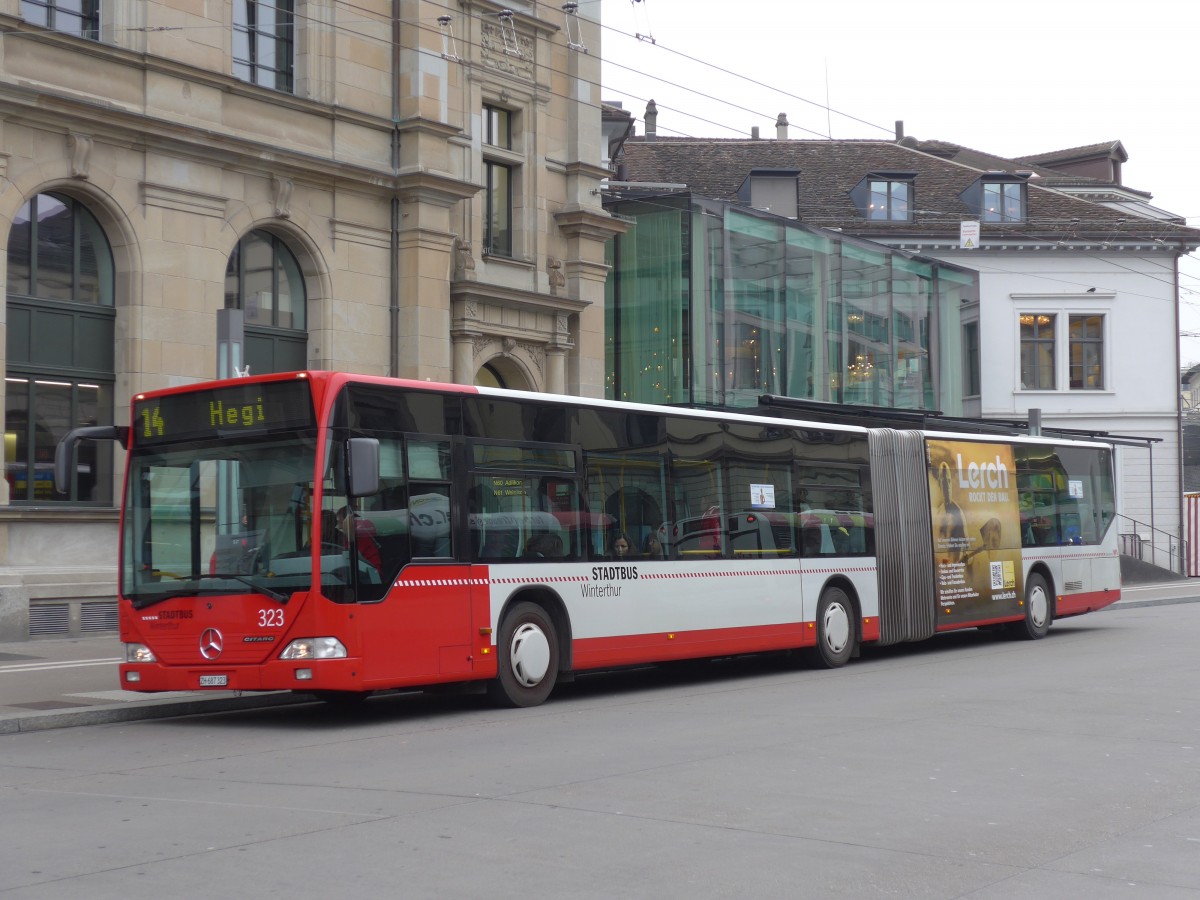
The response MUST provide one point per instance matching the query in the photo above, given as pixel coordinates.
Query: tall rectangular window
(1037, 352)
(264, 42)
(1003, 202)
(500, 167)
(497, 225)
(77, 17)
(890, 201)
(1085, 337)
(497, 127)
(970, 349)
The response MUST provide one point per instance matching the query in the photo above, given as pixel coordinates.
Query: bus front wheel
(1039, 610)
(835, 629)
(528, 663)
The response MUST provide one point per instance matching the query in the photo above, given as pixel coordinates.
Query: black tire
(836, 632)
(527, 657)
(1039, 610)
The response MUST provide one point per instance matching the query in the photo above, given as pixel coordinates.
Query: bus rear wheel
(1039, 610)
(835, 629)
(528, 663)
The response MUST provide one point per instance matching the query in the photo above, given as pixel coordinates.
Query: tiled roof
(1105, 148)
(716, 168)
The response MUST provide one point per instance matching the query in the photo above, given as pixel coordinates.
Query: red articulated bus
(339, 534)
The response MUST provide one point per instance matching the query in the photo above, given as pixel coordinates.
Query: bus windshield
(219, 517)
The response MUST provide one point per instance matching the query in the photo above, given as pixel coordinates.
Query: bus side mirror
(363, 456)
(64, 453)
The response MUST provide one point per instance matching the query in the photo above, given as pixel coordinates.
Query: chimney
(651, 121)
(781, 125)
(899, 130)
(754, 133)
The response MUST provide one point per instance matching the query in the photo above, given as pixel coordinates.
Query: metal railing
(1152, 545)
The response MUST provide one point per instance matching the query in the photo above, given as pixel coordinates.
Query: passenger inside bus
(364, 535)
(620, 546)
(544, 546)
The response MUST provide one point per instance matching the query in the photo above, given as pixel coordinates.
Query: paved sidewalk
(73, 681)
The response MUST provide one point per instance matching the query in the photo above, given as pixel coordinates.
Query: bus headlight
(314, 648)
(139, 653)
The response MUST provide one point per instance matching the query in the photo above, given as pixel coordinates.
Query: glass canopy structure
(715, 304)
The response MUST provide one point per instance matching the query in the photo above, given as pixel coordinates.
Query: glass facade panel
(912, 309)
(866, 296)
(956, 289)
(645, 333)
(719, 306)
(805, 289)
(755, 327)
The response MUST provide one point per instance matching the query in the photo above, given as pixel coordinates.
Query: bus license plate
(214, 680)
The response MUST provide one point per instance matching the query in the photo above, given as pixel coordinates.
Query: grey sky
(1053, 75)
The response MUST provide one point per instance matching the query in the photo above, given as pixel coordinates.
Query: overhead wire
(376, 18)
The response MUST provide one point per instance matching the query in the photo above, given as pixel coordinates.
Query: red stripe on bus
(1086, 601)
(627, 649)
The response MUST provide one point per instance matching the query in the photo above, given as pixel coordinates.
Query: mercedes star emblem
(211, 643)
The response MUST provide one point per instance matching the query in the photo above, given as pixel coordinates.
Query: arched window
(263, 280)
(487, 376)
(59, 371)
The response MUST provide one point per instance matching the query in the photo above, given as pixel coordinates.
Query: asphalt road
(965, 766)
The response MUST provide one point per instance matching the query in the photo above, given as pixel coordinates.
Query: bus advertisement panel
(976, 530)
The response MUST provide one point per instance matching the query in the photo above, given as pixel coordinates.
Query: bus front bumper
(274, 675)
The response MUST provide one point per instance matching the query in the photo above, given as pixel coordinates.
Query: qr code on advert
(997, 576)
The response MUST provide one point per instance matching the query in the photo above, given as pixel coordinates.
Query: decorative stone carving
(281, 194)
(79, 147)
(464, 261)
(537, 355)
(508, 345)
(555, 274)
(561, 325)
(494, 55)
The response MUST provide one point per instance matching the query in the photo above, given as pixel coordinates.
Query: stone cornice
(514, 298)
(589, 223)
(586, 170)
(421, 125)
(438, 188)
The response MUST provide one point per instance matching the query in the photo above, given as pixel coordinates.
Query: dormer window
(885, 196)
(998, 197)
(772, 190)
(1003, 202)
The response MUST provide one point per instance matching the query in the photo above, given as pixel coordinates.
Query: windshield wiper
(275, 595)
(143, 602)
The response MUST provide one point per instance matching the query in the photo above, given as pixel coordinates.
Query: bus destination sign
(226, 412)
